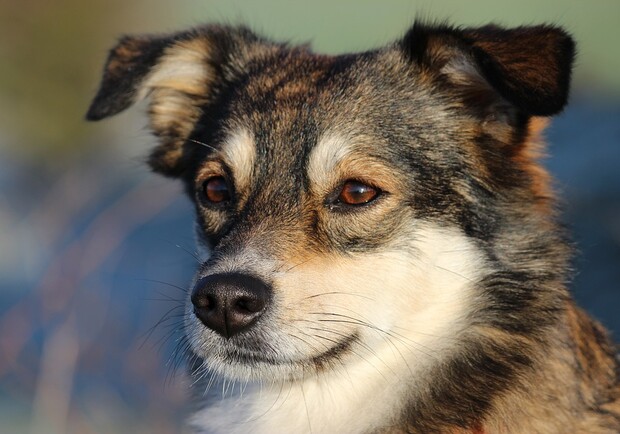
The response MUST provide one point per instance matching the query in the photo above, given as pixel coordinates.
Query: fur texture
(438, 303)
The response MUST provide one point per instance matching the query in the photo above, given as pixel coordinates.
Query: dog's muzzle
(231, 302)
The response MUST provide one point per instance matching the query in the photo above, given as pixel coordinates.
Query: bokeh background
(95, 251)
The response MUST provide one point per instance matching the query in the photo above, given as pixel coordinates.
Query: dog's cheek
(363, 231)
(420, 287)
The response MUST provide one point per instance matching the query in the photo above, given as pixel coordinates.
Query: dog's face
(350, 205)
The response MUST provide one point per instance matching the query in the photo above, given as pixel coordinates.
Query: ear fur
(180, 73)
(529, 67)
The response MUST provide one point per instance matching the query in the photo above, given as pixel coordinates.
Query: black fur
(132, 59)
(450, 111)
(528, 66)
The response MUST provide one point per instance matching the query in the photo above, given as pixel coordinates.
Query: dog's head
(353, 205)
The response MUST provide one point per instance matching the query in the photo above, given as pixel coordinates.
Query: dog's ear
(529, 67)
(180, 73)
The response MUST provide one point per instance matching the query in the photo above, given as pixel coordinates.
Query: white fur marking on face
(416, 300)
(325, 157)
(239, 152)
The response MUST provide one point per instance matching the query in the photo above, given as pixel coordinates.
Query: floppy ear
(180, 73)
(529, 67)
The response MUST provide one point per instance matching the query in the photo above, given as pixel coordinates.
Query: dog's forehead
(319, 163)
(290, 95)
(297, 107)
(294, 118)
(292, 75)
(283, 109)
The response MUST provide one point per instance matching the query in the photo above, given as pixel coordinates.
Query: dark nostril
(230, 303)
(250, 305)
(206, 302)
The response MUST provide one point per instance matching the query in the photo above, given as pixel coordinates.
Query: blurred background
(95, 251)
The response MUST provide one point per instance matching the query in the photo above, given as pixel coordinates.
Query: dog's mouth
(255, 358)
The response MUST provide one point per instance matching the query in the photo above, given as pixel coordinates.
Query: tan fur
(440, 306)
(545, 401)
(177, 87)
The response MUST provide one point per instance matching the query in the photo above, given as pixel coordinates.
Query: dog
(382, 246)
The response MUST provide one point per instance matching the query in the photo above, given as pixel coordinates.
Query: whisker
(453, 272)
(385, 336)
(303, 394)
(204, 144)
(165, 298)
(343, 335)
(338, 293)
(335, 342)
(166, 317)
(396, 336)
(430, 335)
(179, 356)
(180, 288)
(305, 341)
(296, 265)
(192, 254)
(327, 347)
(272, 406)
(210, 383)
(361, 356)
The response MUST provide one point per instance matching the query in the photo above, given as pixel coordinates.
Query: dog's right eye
(216, 190)
(356, 194)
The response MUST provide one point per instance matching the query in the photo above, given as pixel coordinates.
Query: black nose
(231, 302)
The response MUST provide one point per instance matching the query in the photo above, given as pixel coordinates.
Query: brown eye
(357, 193)
(216, 189)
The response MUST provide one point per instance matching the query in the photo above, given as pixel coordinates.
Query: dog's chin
(236, 361)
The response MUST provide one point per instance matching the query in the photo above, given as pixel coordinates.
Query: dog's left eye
(216, 190)
(357, 193)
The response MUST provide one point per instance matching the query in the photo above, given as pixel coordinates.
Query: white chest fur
(356, 399)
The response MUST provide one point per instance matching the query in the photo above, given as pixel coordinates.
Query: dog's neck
(359, 398)
(353, 399)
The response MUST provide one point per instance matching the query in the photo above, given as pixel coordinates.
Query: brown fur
(447, 123)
